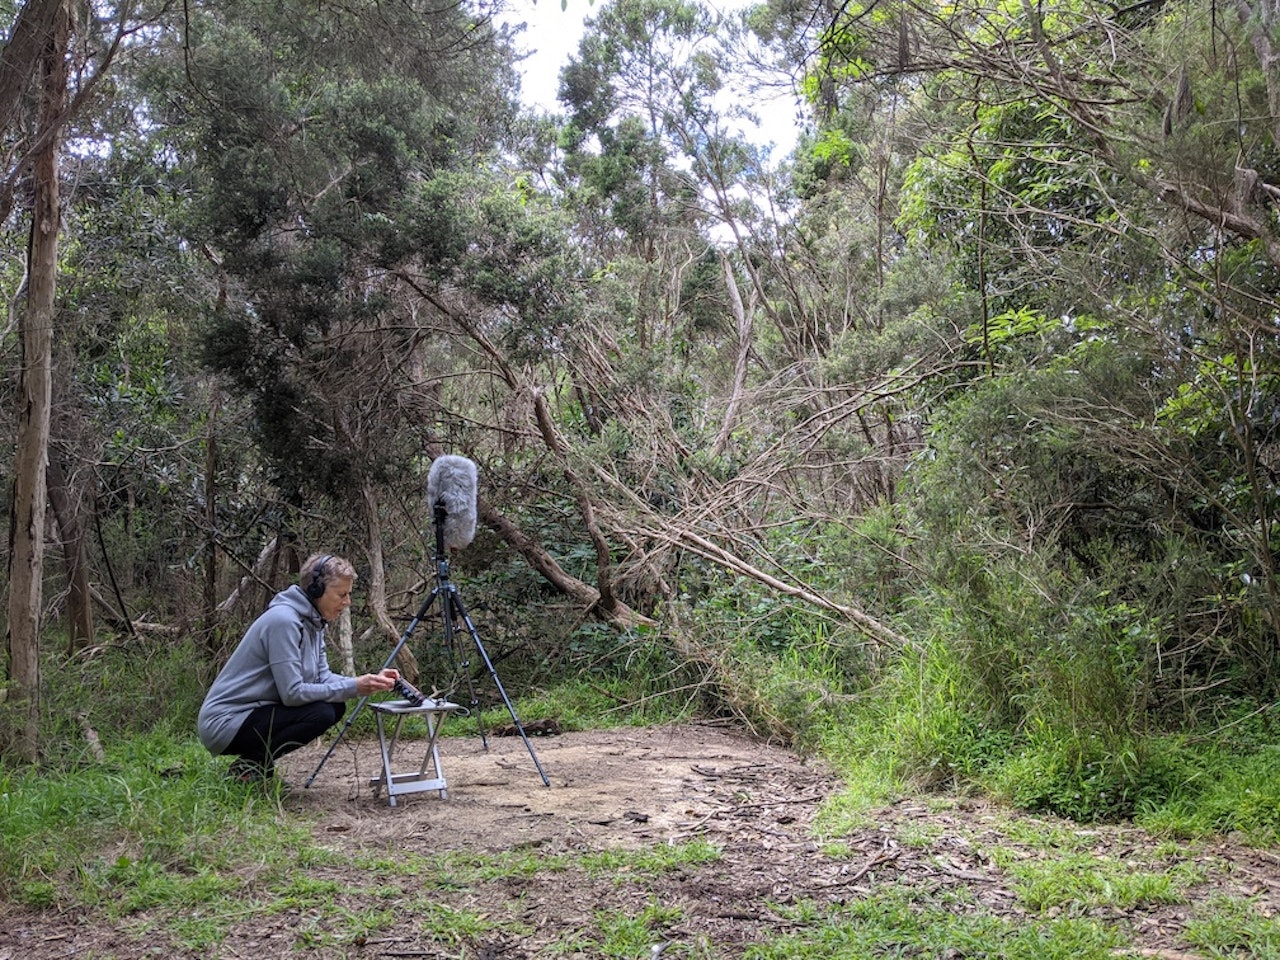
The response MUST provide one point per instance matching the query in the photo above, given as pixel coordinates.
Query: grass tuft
(1232, 927)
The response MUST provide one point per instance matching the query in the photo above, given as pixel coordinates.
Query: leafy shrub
(1082, 781)
(1165, 783)
(1219, 791)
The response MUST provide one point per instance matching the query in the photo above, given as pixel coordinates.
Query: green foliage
(1094, 538)
(629, 866)
(870, 559)
(163, 693)
(599, 699)
(1213, 788)
(1232, 927)
(320, 169)
(1078, 883)
(1038, 691)
(783, 668)
(898, 923)
(1086, 779)
(1049, 535)
(147, 827)
(627, 935)
(919, 723)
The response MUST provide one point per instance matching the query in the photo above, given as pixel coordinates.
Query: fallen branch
(91, 737)
(865, 869)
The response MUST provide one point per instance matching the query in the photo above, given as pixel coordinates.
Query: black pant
(274, 730)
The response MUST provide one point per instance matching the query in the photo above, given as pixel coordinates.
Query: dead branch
(743, 324)
(254, 575)
(91, 737)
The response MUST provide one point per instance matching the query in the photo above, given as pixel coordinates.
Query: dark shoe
(245, 771)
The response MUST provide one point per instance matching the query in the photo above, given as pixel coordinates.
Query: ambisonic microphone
(451, 485)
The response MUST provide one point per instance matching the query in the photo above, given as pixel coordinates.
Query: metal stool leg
(424, 779)
(387, 777)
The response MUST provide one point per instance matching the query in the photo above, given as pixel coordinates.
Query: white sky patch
(552, 35)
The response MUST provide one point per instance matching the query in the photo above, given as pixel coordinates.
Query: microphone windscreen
(451, 484)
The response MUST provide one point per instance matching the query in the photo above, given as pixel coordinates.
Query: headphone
(316, 587)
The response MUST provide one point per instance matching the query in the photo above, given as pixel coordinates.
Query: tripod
(452, 612)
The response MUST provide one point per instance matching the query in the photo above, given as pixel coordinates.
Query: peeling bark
(35, 392)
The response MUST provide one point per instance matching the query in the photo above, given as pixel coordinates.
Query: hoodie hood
(296, 598)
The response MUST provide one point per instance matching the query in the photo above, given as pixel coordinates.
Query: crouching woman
(276, 693)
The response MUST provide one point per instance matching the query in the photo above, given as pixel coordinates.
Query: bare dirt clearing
(633, 790)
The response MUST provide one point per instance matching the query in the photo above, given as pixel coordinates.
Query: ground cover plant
(687, 836)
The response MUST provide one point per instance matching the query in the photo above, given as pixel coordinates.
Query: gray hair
(323, 569)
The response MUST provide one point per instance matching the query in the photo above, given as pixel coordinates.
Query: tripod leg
(453, 604)
(404, 638)
(460, 661)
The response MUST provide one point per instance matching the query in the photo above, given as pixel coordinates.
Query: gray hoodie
(281, 660)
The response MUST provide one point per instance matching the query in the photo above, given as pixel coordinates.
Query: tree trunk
(71, 534)
(255, 576)
(1259, 19)
(742, 321)
(27, 46)
(209, 600)
(406, 662)
(26, 557)
(342, 639)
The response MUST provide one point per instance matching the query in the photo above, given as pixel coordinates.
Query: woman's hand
(375, 682)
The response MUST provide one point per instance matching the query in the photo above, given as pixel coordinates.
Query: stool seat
(429, 776)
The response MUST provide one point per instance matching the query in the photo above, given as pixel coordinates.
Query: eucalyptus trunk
(35, 389)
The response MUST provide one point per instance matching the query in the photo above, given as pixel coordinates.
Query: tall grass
(156, 820)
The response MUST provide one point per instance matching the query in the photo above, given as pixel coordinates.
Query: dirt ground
(637, 789)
